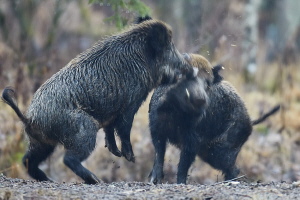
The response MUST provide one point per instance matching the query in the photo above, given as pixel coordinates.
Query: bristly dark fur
(102, 87)
(215, 133)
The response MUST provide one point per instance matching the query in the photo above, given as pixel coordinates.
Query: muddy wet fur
(102, 87)
(215, 133)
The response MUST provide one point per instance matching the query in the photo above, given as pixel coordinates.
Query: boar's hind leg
(223, 157)
(228, 166)
(79, 146)
(73, 160)
(110, 141)
(37, 153)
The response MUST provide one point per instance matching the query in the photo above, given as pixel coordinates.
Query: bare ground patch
(28, 189)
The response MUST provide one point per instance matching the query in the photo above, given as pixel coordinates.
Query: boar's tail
(8, 96)
(266, 115)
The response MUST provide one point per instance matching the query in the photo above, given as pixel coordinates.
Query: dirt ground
(29, 189)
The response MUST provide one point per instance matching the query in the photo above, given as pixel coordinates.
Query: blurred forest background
(257, 41)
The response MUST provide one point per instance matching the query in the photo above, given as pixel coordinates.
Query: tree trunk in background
(171, 13)
(185, 20)
(250, 41)
(278, 24)
(192, 17)
(272, 29)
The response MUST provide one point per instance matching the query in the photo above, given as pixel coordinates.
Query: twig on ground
(229, 180)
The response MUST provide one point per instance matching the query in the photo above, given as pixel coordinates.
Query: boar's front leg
(187, 157)
(157, 174)
(123, 126)
(110, 141)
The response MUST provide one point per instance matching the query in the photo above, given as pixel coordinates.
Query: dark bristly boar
(202, 116)
(102, 87)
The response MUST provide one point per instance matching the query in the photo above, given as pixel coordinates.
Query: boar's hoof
(155, 177)
(129, 156)
(93, 180)
(127, 152)
(116, 152)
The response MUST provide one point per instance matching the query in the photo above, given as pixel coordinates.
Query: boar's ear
(217, 77)
(141, 19)
(159, 39)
